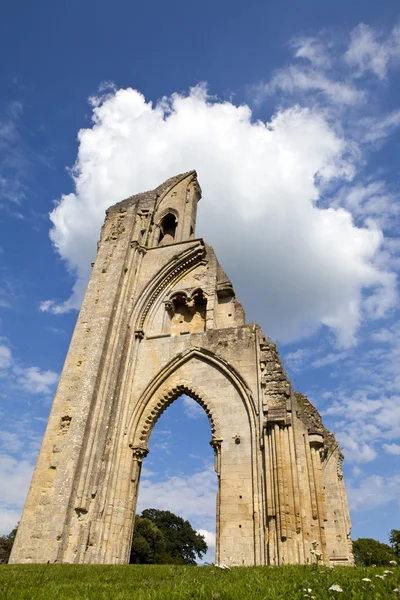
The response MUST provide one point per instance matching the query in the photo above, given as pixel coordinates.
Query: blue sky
(289, 112)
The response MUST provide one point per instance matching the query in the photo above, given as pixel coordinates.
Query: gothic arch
(168, 210)
(164, 399)
(156, 398)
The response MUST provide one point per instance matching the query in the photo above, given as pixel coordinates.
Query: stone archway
(179, 448)
(232, 441)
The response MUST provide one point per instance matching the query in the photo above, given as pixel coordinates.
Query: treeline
(368, 552)
(6, 544)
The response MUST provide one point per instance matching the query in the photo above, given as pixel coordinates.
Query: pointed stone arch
(162, 401)
(159, 395)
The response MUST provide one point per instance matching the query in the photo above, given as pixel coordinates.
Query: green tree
(395, 541)
(148, 545)
(6, 544)
(368, 551)
(179, 544)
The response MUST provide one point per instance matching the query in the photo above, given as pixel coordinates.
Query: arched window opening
(167, 230)
(177, 476)
(187, 314)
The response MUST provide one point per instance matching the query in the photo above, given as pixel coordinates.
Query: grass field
(142, 582)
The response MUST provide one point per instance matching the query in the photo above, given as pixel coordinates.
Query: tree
(160, 537)
(395, 541)
(6, 544)
(148, 545)
(368, 551)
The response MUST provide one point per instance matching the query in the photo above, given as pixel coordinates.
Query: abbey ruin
(160, 319)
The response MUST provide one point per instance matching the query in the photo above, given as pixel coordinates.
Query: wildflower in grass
(392, 562)
(380, 576)
(308, 590)
(335, 588)
(388, 572)
(331, 567)
(365, 579)
(397, 590)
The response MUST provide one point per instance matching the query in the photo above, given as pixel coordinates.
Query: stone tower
(160, 319)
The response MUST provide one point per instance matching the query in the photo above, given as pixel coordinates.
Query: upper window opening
(167, 230)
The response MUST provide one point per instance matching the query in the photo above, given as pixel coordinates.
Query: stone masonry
(160, 319)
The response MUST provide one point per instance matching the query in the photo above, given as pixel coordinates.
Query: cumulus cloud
(295, 265)
(8, 520)
(36, 381)
(392, 449)
(32, 380)
(192, 497)
(15, 476)
(374, 491)
(209, 537)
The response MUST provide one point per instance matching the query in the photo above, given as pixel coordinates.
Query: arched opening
(167, 230)
(178, 476)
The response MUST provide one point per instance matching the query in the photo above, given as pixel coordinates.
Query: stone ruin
(160, 319)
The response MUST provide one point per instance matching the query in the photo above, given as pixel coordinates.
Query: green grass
(142, 582)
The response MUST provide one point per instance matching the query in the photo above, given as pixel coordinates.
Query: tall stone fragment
(160, 319)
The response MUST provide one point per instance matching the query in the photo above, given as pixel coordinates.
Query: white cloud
(364, 409)
(378, 128)
(15, 477)
(374, 491)
(392, 449)
(295, 79)
(30, 379)
(370, 51)
(8, 520)
(313, 50)
(311, 264)
(355, 450)
(209, 537)
(370, 200)
(5, 357)
(329, 359)
(12, 440)
(36, 381)
(295, 360)
(14, 157)
(192, 409)
(191, 497)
